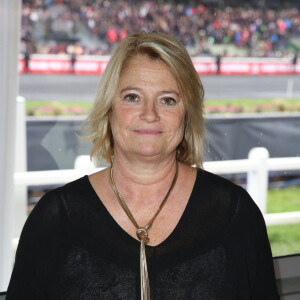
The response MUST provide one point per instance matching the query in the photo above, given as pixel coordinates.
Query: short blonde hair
(174, 55)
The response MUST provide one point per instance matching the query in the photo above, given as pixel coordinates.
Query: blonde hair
(170, 51)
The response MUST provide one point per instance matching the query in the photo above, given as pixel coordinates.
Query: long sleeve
(35, 271)
(250, 245)
(264, 284)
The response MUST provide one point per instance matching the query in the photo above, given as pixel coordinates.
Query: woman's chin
(152, 153)
(148, 152)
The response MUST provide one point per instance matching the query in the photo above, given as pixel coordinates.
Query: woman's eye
(169, 101)
(131, 98)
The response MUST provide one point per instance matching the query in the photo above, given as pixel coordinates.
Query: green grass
(252, 105)
(284, 239)
(40, 103)
(49, 108)
(284, 199)
(248, 102)
(40, 108)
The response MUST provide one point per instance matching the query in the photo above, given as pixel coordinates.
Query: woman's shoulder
(79, 185)
(217, 186)
(58, 198)
(225, 195)
(72, 187)
(215, 180)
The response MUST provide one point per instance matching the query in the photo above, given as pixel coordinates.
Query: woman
(150, 222)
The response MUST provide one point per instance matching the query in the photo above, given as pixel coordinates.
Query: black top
(71, 248)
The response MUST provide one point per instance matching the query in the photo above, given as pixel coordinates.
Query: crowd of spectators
(57, 26)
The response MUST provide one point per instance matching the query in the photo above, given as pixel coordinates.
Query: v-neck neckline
(129, 237)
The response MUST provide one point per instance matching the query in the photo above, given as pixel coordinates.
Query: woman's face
(147, 117)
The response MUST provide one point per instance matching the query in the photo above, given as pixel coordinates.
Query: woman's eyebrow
(139, 89)
(130, 88)
(170, 92)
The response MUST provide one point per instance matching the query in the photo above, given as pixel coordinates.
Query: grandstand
(260, 28)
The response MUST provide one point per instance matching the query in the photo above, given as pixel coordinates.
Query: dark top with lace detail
(71, 248)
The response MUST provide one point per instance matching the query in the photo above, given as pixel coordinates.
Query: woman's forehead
(144, 70)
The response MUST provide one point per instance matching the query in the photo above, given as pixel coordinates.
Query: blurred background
(246, 54)
(257, 28)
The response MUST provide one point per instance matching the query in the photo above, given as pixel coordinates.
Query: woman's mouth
(147, 131)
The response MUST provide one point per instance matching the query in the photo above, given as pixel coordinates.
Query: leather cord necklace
(142, 232)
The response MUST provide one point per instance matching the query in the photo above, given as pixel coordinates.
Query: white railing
(257, 167)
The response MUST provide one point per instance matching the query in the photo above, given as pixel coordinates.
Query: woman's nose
(149, 113)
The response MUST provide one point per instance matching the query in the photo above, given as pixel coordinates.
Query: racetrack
(83, 87)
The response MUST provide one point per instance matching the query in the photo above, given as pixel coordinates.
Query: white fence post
(20, 192)
(84, 163)
(257, 179)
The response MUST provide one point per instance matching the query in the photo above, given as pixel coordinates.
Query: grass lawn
(251, 105)
(248, 102)
(48, 108)
(41, 108)
(284, 239)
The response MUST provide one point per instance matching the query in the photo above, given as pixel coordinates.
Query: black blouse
(71, 248)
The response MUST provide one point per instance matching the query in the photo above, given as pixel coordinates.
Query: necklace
(142, 232)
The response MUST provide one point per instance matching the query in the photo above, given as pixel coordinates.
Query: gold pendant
(145, 288)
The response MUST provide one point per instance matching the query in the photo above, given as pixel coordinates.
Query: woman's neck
(147, 180)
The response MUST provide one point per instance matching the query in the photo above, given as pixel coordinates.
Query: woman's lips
(147, 131)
